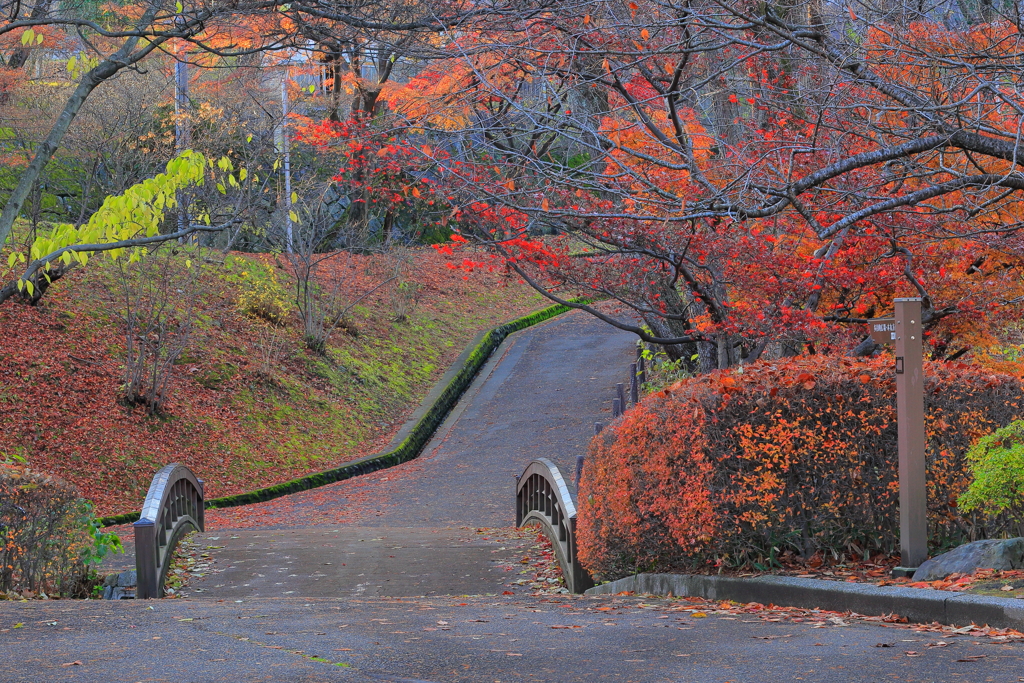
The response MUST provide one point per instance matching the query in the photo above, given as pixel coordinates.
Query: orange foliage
(799, 455)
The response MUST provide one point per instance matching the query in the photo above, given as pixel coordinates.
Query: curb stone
(919, 605)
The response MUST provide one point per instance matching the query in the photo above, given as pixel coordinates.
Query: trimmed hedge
(794, 458)
(410, 447)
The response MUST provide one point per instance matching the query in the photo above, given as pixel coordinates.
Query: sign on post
(904, 330)
(883, 330)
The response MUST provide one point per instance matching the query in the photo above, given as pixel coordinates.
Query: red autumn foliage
(735, 468)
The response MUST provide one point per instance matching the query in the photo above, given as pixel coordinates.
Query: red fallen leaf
(895, 619)
(507, 593)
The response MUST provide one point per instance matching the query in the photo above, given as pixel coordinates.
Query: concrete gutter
(916, 604)
(435, 392)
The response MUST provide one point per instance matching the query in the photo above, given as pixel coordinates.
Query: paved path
(412, 529)
(364, 580)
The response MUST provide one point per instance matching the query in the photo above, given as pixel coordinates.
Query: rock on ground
(967, 559)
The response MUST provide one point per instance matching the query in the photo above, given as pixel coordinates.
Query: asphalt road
(466, 639)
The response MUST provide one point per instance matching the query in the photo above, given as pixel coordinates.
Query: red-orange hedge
(737, 467)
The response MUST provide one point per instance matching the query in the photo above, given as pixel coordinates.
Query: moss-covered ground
(249, 404)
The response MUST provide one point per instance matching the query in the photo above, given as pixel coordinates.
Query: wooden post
(579, 473)
(519, 503)
(910, 417)
(145, 561)
(598, 426)
(634, 389)
(620, 391)
(616, 408)
(642, 374)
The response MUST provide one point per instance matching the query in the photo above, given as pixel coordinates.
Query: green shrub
(262, 296)
(997, 476)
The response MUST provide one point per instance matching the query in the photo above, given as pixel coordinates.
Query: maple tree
(743, 177)
(85, 47)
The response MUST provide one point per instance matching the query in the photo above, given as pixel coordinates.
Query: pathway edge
(919, 605)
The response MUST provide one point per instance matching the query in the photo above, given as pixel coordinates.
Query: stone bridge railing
(543, 497)
(173, 505)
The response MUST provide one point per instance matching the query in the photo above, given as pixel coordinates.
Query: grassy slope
(237, 427)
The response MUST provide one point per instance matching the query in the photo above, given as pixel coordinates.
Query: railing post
(620, 391)
(598, 426)
(519, 504)
(642, 371)
(201, 505)
(634, 389)
(145, 560)
(616, 408)
(579, 473)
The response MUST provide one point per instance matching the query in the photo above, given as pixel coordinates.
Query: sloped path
(413, 529)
